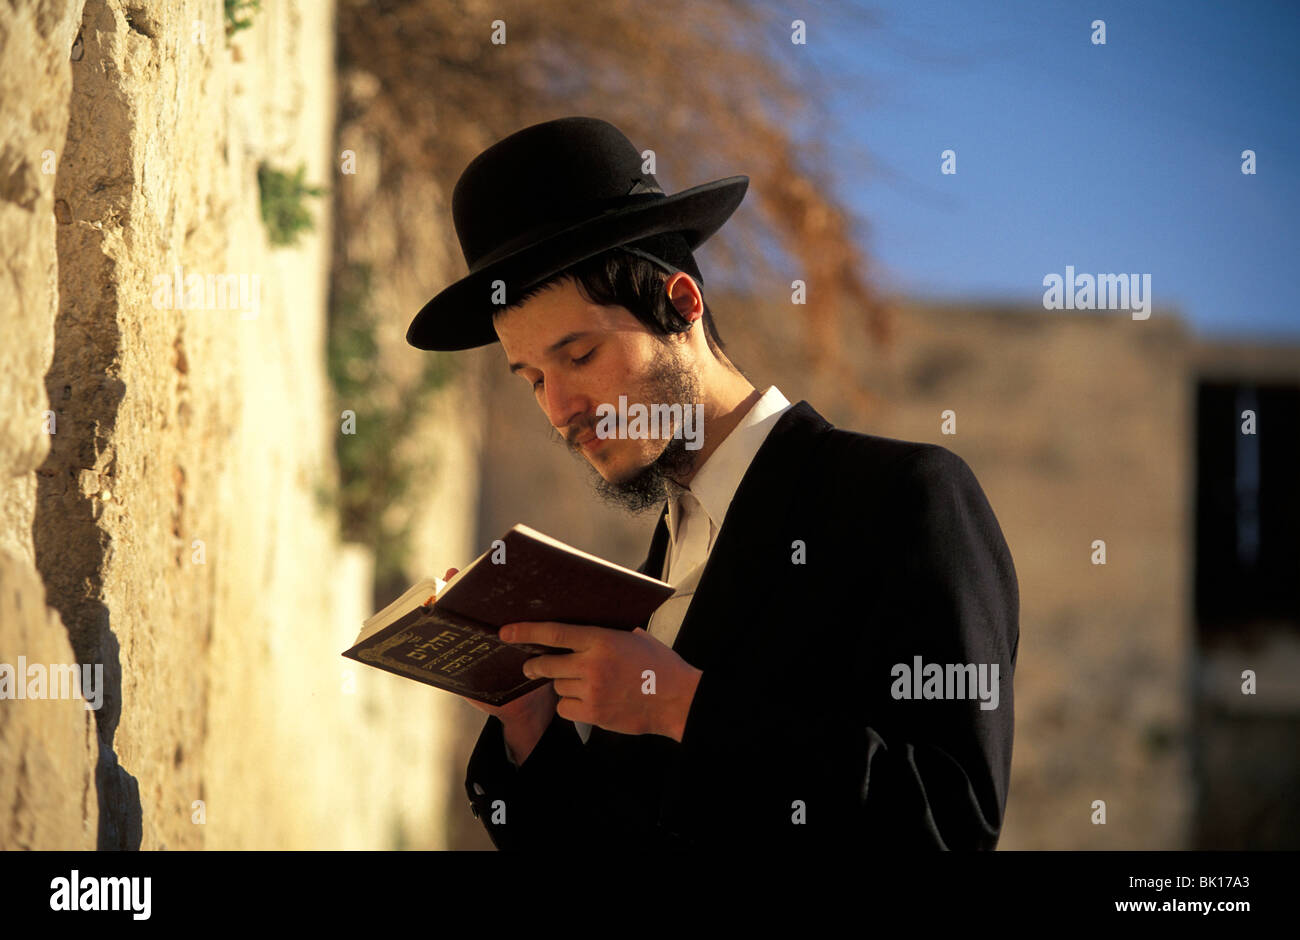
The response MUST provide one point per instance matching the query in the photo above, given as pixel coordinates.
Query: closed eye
(577, 362)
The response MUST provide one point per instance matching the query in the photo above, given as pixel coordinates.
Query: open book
(452, 643)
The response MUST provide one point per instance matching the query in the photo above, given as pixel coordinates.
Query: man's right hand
(526, 718)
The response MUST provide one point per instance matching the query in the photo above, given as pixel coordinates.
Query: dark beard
(669, 382)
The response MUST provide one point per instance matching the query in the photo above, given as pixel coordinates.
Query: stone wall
(168, 526)
(47, 747)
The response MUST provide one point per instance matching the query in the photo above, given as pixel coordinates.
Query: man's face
(577, 356)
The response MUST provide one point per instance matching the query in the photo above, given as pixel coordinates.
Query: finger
(569, 688)
(574, 710)
(562, 666)
(576, 637)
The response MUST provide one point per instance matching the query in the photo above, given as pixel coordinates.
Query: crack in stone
(72, 549)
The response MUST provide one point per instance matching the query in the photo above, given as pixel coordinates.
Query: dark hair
(620, 278)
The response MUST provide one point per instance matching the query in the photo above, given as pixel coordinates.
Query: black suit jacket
(795, 736)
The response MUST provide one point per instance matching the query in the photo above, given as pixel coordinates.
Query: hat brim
(460, 316)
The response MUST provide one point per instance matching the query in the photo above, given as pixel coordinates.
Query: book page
(413, 597)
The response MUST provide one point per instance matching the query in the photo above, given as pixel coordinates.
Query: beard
(670, 380)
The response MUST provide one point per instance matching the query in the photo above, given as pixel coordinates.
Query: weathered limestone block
(47, 745)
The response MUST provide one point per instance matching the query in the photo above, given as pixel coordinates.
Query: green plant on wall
(282, 197)
(372, 475)
(234, 8)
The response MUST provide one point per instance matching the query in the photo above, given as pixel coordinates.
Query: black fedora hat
(544, 198)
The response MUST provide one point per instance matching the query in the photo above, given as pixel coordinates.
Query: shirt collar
(716, 481)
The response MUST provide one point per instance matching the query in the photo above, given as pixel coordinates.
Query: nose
(564, 403)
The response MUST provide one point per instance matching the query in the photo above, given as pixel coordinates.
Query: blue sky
(1123, 157)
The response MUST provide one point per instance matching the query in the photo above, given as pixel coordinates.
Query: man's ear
(684, 295)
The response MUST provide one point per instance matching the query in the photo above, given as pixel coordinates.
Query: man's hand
(625, 682)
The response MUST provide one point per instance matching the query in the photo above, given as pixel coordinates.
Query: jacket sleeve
(857, 764)
(516, 804)
(569, 794)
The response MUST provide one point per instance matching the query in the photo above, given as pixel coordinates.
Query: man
(835, 667)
